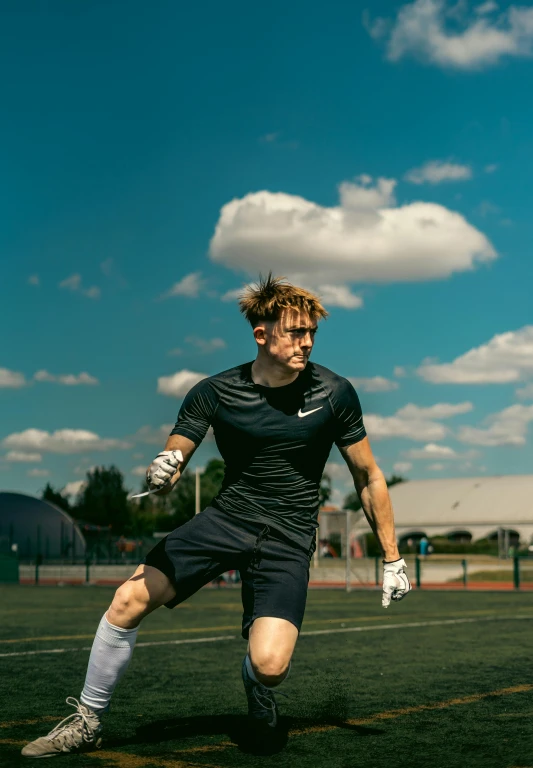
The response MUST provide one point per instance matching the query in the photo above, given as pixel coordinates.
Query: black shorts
(274, 573)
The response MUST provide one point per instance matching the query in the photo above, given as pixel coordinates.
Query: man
(275, 421)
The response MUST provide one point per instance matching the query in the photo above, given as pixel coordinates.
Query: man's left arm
(373, 493)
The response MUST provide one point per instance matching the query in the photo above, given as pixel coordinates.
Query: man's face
(289, 340)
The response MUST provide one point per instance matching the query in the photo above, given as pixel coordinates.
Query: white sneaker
(79, 732)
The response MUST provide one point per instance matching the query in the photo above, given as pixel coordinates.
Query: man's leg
(270, 648)
(110, 656)
(274, 594)
(113, 645)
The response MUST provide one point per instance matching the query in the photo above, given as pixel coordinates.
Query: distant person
(275, 420)
(325, 549)
(423, 546)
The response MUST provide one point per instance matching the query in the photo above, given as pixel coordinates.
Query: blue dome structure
(32, 527)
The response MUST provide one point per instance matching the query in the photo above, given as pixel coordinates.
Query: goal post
(348, 553)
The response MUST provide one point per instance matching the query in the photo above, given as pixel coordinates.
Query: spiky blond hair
(270, 296)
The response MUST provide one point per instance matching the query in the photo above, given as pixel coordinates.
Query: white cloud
(138, 471)
(400, 372)
(175, 352)
(505, 358)
(189, 286)
(402, 466)
(438, 411)
(206, 346)
(491, 168)
(383, 427)
(61, 441)
(487, 7)
(367, 237)
(437, 171)
(153, 436)
(414, 422)
(373, 383)
(74, 283)
(81, 470)
(74, 488)
(179, 383)
(11, 379)
(235, 293)
(110, 270)
(508, 427)
(432, 451)
(107, 267)
(336, 500)
(486, 208)
(525, 393)
(37, 472)
(274, 139)
(447, 36)
(339, 296)
(69, 379)
(27, 458)
(34, 280)
(339, 471)
(436, 467)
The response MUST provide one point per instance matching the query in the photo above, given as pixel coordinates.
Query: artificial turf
(442, 695)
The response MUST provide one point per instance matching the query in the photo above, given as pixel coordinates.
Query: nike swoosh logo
(308, 413)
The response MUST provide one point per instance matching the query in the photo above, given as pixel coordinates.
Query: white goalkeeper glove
(163, 468)
(395, 581)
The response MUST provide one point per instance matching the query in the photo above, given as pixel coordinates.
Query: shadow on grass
(237, 728)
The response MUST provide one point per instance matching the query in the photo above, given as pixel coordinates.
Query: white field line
(137, 645)
(377, 628)
(438, 622)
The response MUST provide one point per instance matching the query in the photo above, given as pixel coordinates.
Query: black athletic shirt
(275, 441)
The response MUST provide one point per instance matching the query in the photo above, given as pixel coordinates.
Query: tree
(211, 481)
(164, 513)
(55, 497)
(353, 502)
(324, 492)
(104, 500)
(395, 479)
(183, 497)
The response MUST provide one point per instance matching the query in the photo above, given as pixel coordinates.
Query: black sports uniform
(275, 442)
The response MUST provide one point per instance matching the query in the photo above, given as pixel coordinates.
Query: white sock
(109, 659)
(250, 669)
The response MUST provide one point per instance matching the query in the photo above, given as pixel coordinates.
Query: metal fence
(432, 572)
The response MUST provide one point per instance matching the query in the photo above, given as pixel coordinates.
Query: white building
(462, 508)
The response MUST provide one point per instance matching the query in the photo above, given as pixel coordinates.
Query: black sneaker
(262, 707)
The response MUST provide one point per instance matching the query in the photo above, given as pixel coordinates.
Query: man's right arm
(187, 447)
(194, 419)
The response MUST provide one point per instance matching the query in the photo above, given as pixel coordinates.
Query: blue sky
(382, 157)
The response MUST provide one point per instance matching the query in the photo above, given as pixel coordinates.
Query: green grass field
(444, 694)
